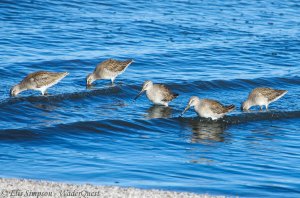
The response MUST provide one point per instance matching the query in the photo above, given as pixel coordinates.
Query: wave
(182, 86)
(113, 126)
(242, 83)
(60, 97)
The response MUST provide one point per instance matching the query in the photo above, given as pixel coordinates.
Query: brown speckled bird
(207, 108)
(40, 81)
(262, 97)
(157, 93)
(108, 69)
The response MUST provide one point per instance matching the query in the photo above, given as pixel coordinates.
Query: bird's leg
(44, 92)
(261, 108)
(267, 108)
(112, 81)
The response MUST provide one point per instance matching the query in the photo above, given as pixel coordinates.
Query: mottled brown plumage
(40, 81)
(157, 93)
(217, 107)
(168, 95)
(270, 94)
(115, 65)
(108, 69)
(42, 78)
(208, 108)
(262, 96)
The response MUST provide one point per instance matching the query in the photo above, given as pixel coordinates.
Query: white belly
(156, 97)
(44, 88)
(205, 112)
(108, 75)
(261, 101)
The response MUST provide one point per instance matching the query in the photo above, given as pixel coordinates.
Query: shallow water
(218, 50)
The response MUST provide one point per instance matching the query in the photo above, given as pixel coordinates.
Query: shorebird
(108, 69)
(262, 97)
(40, 81)
(208, 108)
(157, 93)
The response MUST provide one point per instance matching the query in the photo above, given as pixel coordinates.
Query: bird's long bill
(88, 83)
(89, 87)
(139, 94)
(11, 94)
(187, 108)
(242, 109)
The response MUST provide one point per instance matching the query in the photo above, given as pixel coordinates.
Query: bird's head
(15, 90)
(90, 79)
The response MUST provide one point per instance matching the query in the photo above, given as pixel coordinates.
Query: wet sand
(45, 189)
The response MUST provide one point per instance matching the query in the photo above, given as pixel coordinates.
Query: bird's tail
(64, 74)
(129, 61)
(175, 95)
(279, 94)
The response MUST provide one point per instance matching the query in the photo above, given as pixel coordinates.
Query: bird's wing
(43, 78)
(215, 106)
(258, 92)
(273, 95)
(270, 94)
(115, 66)
(168, 95)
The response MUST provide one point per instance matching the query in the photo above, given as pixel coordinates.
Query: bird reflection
(207, 131)
(157, 111)
(90, 87)
(45, 107)
(110, 85)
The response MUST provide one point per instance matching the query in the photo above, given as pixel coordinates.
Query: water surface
(219, 50)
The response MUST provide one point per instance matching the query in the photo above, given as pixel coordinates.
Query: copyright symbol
(4, 192)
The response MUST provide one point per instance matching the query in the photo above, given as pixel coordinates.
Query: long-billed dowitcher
(108, 69)
(262, 97)
(40, 81)
(208, 108)
(157, 93)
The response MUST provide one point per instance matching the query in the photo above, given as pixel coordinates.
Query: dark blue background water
(215, 49)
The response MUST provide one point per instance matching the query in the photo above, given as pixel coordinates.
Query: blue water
(211, 49)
